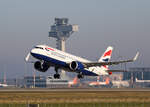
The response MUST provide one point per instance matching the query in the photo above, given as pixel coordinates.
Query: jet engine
(75, 65)
(41, 67)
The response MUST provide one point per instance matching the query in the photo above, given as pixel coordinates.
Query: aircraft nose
(33, 51)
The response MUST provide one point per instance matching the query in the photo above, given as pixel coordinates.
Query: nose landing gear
(56, 76)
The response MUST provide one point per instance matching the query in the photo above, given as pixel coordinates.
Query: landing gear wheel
(56, 76)
(80, 76)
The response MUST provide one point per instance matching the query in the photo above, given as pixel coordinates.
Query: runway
(75, 89)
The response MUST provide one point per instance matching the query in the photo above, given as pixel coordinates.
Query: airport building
(33, 82)
(43, 82)
(56, 83)
(137, 72)
(139, 76)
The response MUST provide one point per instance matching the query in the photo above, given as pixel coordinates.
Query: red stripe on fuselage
(50, 49)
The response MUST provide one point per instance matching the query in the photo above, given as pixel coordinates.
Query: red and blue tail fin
(106, 56)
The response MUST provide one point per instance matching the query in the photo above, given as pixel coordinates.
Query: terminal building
(56, 83)
(140, 73)
(43, 82)
(139, 76)
(33, 82)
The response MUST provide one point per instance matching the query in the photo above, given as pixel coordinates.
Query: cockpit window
(38, 47)
(46, 49)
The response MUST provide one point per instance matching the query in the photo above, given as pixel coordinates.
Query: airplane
(50, 57)
(74, 82)
(142, 81)
(3, 85)
(99, 83)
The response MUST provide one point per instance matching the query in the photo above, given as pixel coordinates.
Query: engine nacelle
(75, 65)
(41, 67)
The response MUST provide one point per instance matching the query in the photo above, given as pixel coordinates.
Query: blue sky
(124, 24)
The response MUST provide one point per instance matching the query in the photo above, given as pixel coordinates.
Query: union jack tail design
(106, 56)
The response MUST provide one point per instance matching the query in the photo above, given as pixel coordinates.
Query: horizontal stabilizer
(116, 71)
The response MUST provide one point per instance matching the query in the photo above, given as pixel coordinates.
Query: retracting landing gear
(80, 75)
(56, 76)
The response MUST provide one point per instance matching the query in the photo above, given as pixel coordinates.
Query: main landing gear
(80, 75)
(56, 76)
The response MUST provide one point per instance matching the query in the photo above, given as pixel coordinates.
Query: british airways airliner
(51, 57)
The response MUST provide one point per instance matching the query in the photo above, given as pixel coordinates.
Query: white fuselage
(3, 85)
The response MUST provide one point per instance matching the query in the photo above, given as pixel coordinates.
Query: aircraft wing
(91, 64)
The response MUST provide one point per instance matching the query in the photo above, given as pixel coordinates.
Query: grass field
(80, 105)
(75, 99)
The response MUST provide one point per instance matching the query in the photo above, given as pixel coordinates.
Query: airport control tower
(61, 30)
